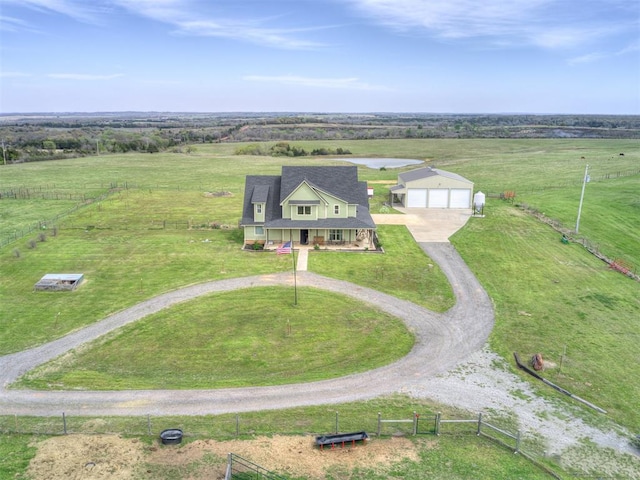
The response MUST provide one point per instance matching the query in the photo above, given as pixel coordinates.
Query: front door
(304, 237)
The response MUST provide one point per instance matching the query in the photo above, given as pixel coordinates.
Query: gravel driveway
(449, 363)
(442, 341)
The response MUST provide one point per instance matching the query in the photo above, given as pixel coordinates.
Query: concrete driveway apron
(427, 224)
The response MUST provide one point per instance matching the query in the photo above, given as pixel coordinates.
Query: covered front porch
(317, 238)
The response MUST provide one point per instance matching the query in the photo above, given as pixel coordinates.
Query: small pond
(378, 163)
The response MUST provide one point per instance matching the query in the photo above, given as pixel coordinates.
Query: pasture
(172, 221)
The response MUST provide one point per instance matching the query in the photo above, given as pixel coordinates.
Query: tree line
(33, 137)
(283, 149)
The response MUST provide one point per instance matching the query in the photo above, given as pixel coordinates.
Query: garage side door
(438, 198)
(460, 198)
(417, 197)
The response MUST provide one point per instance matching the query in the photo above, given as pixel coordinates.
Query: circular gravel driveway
(442, 341)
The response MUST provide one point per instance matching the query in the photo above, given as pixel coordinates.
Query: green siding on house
(306, 204)
(258, 212)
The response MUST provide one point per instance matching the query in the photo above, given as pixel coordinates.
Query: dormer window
(304, 209)
(336, 209)
(259, 208)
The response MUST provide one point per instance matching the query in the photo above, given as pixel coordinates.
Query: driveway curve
(442, 341)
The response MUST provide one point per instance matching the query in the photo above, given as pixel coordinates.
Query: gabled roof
(260, 193)
(338, 181)
(261, 189)
(429, 172)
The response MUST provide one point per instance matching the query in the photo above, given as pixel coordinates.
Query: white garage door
(417, 197)
(438, 198)
(460, 198)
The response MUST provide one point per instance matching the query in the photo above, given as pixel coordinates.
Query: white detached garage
(430, 187)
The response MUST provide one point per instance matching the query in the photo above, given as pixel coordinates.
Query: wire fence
(493, 192)
(623, 266)
(238, 426)
(53, 192)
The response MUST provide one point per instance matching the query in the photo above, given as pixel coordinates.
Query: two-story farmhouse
(308, 206)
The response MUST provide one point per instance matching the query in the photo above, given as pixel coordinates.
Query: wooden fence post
(64, 423)
(415, 423)
(437, 425)
(479, 423)
(379, 422)
(337, 422)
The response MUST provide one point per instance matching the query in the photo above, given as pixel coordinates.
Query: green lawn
(250, 337)
(153, 234)
(121, 266)
(137, 244)
(404, 271)
(549, 297)
(609, 217)
(16, 450)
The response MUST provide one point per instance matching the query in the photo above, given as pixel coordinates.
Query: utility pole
(584, 183)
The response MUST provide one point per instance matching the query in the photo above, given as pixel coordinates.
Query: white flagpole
(584, 183)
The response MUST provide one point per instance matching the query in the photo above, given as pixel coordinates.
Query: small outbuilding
(59, 281)
(430, 187)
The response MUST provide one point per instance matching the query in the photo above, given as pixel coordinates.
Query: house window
(335, 235)
(304, 210)
(336, 209)
(259, 230)
(259, 208)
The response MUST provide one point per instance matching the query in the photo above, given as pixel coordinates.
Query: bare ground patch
(96, 457)
(90, 457)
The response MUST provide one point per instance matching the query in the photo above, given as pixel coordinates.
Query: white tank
(478, 199)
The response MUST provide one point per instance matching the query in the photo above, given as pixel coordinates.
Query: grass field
(251, 337)
(560, 301)
(152, 235)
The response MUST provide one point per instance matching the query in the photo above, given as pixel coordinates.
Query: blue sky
(439, 56)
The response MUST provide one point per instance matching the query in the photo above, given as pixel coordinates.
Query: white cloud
(14, 74)
(80, 10)
(334, 83)
(596, 56)
(83, 76)
(187, 17)
(543, 23)
(631, 48)
(588, 58)
(189, 20)
(280, 38)
(12, 24)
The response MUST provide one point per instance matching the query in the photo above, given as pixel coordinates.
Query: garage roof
(429, 172)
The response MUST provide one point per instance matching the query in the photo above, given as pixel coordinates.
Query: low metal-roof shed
(59, 281)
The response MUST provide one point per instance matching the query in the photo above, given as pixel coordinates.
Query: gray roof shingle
(429, 172)
(339, 181)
